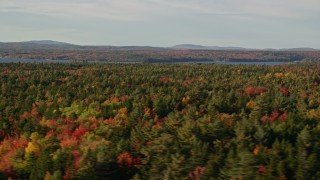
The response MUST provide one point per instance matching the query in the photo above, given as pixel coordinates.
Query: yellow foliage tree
(313, 114)
(185, 100)
(250, 104)
(122, 115)
(33, 147)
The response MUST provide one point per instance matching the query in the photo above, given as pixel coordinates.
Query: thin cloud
(278, 8)
(135, 10)
(109, 9)
(273, 8)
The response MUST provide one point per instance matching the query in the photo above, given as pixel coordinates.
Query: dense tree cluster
(131, 54)
(156, 121)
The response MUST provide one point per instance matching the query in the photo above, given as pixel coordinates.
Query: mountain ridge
(201, 47)
(52, 45)
(46, 42)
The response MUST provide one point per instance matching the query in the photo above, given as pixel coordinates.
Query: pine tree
(176, 168)
(303, 144)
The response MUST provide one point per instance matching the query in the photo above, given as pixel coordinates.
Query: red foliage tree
(8, 148)
(125, 159)
(80, 131)
(253, 91)
(265, 119)
(285, 91)
(197, 173)
(70, 142)
(274, 116)
(283, 116)
(76, 158)
(261, 169)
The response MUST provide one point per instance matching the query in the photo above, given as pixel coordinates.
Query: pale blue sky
(246, 23)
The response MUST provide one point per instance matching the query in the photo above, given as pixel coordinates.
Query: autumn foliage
(252, 91)
(160, 121)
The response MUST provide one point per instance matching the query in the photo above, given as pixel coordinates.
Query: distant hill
(188, 46)
(56, 45)
(299, 49)
(54, 50)
(47, 42)
(200, 47)
(195, 47)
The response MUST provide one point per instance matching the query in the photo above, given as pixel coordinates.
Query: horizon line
(155, 46)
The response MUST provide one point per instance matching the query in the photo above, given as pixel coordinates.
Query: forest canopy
(159, 121)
